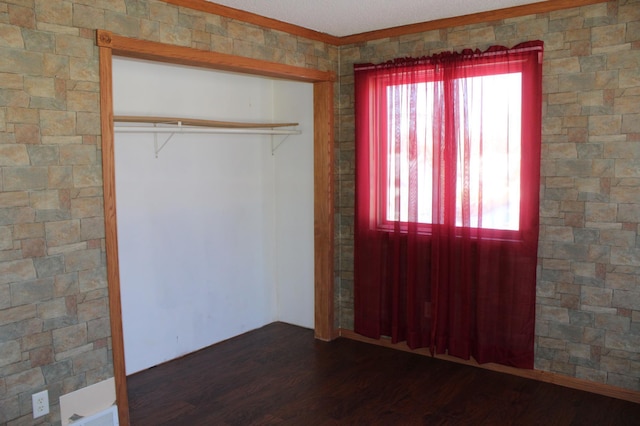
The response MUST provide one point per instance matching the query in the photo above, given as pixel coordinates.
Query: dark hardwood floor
(280, 375)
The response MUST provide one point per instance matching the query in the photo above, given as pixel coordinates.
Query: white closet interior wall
(215, 236)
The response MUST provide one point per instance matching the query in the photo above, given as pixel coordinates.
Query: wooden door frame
(323, 81)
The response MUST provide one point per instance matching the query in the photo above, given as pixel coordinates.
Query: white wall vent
(108, 417)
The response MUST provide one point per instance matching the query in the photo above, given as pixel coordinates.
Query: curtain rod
(528, 47)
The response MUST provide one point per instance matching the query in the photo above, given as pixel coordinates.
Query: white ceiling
(347, 17)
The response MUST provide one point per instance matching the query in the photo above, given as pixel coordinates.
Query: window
(447, 140)
(488, 157)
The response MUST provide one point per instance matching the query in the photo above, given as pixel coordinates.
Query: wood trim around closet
(323, 189)
(168, 53)
(111, 234)
(109, 45)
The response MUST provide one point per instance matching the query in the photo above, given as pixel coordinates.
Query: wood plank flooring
(280, 374)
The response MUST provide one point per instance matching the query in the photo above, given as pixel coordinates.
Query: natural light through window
(488, 142)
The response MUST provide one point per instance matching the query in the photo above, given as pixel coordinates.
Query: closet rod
(183, 121)
(226, 130)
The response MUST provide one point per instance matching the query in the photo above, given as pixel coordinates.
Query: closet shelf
(193, 125)
(173, 125)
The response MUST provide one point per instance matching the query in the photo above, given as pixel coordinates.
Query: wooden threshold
(542, 376)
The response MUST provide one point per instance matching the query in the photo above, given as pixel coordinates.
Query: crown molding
(476, 18)
(255, 19)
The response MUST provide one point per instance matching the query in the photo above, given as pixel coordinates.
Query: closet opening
(215, 230)
(321, 95)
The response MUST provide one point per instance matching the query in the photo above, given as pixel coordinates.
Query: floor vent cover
(108, 417)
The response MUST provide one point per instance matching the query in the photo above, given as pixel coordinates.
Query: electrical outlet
(40, 402)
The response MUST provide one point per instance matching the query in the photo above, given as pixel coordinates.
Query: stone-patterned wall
(54, 319)
(588, 292)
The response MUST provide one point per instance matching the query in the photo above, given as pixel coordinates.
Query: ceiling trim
(253, 18)
(476, 18)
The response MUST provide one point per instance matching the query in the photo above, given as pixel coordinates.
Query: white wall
(294, 209)
(215, 235)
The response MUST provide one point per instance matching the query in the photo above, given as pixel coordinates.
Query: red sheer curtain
(447, 197)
